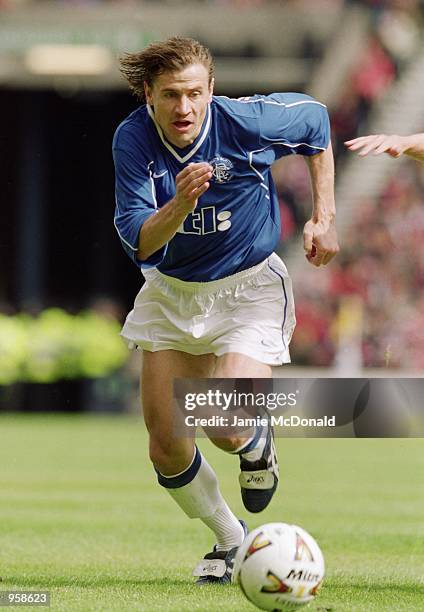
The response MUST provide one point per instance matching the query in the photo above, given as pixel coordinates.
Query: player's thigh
(159, 369)
(237, 365)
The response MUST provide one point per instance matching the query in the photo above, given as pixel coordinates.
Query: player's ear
(211, 85)
(148, 93)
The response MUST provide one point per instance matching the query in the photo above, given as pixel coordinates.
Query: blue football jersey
(236, 223)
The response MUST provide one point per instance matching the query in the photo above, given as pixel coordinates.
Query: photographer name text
(275, 421)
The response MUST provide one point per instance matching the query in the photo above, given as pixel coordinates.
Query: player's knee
(168, 456)
(160, 453)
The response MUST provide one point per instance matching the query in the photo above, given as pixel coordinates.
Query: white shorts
(251, 312)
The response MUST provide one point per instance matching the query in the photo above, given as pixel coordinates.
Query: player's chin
(185, 139)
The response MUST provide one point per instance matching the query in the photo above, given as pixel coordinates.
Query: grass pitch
(81, 515)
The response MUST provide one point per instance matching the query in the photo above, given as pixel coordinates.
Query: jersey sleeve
(294, 123)
(135, 203)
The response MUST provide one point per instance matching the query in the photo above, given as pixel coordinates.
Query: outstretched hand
(376, 144)
(320, 241)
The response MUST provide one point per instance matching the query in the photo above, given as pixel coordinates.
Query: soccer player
(393, 145)
(197, 212)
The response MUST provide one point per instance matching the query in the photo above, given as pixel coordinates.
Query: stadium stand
(366, 309)
(380, 213)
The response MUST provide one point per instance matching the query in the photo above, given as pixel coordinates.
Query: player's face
(180, 101)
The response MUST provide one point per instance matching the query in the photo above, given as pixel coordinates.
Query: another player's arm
(319, 234)
(158, 229)
(393, 145)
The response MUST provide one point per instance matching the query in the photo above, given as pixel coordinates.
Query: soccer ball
(279, 567)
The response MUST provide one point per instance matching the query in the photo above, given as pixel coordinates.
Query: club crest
(221, 169)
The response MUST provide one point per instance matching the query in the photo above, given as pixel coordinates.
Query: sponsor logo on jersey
(206, 221)
(222, 167)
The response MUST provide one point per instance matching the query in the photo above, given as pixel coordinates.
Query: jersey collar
(196, 144)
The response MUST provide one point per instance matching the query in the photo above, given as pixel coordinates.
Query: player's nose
(183, 107)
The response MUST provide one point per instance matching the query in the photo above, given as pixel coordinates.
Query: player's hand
(320, 241)
(191, 183)
(378, 143)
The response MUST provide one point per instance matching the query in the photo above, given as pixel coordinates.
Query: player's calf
(195, 489)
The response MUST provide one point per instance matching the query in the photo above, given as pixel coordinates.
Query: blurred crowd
(382, 258)
(382, 264)
(394, 37)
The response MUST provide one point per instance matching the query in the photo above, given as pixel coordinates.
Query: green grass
(81, 515)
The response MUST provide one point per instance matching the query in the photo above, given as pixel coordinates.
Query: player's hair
(170, 55)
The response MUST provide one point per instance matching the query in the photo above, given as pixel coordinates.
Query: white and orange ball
(279, 567)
